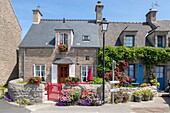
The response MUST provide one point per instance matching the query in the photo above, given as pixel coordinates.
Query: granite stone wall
(46, 56)
(10, 37)
(26, 91)
(97, 89)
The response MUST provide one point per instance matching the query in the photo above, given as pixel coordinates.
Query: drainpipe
(24, 63)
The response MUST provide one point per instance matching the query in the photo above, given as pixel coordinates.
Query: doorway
(63, 73)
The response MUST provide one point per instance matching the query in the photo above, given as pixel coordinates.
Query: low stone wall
(98, 89)
(33, 92)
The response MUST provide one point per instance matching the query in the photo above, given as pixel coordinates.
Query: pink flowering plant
(65, 95)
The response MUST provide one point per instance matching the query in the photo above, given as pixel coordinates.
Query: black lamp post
(104, 24)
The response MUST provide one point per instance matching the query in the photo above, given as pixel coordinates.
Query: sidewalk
(158, 105)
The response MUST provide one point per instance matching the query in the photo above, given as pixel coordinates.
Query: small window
(129, 41)
(86, 38)
(63, 39)
(131, 71)
(160, 71)
(87, 58)
(40, 71)
(161, 41)
(84, 72)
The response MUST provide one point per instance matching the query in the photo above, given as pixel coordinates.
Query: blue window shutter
(140, 73)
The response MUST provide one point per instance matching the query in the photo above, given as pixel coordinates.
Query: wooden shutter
(72, 70)
(54, 73)
(34, 70)
(140, 73)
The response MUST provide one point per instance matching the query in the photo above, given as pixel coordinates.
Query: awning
(63, 61)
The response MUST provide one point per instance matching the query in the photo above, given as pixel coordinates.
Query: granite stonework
(96, 88)
(33, 92)
(10, 37)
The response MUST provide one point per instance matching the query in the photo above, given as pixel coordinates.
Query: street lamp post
(104, 24)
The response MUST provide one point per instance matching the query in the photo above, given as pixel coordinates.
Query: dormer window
(63, 38)
(86, 38)
(129, 40)
(161, 41)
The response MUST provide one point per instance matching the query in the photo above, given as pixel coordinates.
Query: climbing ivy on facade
(149, 56)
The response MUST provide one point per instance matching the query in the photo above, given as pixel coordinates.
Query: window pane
(37, 73)
(129, 41)
(42, 67)
(61, 37)
(65, 39)
(84, 72)
(37, 67)
(86, 38)
(131, 71)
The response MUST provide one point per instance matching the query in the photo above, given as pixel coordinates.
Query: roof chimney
(98, 9)
(37, 16)
(151, 16)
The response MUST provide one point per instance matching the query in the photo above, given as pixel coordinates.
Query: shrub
(143, 85)
(34, 80)
(97, 80)
(8, 98)
(23, 101)
(89, 98)
(155, 82)
(137, 92)
(65, 96)
(72, 81)
(75, 94)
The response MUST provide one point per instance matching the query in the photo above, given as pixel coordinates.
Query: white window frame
(86, 40)
(63, 38)
(40, 72)
(82, 76)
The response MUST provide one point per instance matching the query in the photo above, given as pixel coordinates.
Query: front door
(63, 73)
(160, 74)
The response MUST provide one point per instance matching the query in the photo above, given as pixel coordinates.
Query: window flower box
(62, 48)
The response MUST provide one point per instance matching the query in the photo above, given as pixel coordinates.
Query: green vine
(149, 56)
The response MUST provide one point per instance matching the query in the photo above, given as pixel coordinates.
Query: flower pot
(151, 97)
(146, 98)
(138, 98)
(120, 99)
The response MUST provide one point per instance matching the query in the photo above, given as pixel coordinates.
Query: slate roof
(162, 25)
(63, 61)
(116, 28)
(43, 34)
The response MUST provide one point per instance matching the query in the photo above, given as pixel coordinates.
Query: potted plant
(125, 97)
(151, 94)
(146, 94)
(154, 82)
(62, 48)
(137, 95)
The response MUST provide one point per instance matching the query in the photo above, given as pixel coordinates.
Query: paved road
(9, 108)
(158, 105)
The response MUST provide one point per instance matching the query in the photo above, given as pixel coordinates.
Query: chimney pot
(99, 7)
(37, 16)
(99, 2)
(151, 16)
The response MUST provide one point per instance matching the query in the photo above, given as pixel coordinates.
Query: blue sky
(114, 10)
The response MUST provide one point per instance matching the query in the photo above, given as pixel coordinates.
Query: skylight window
(86, 38)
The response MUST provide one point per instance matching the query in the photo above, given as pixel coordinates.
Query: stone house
(40, 55)
(10, 37)
(152, 32)
(39, 52)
